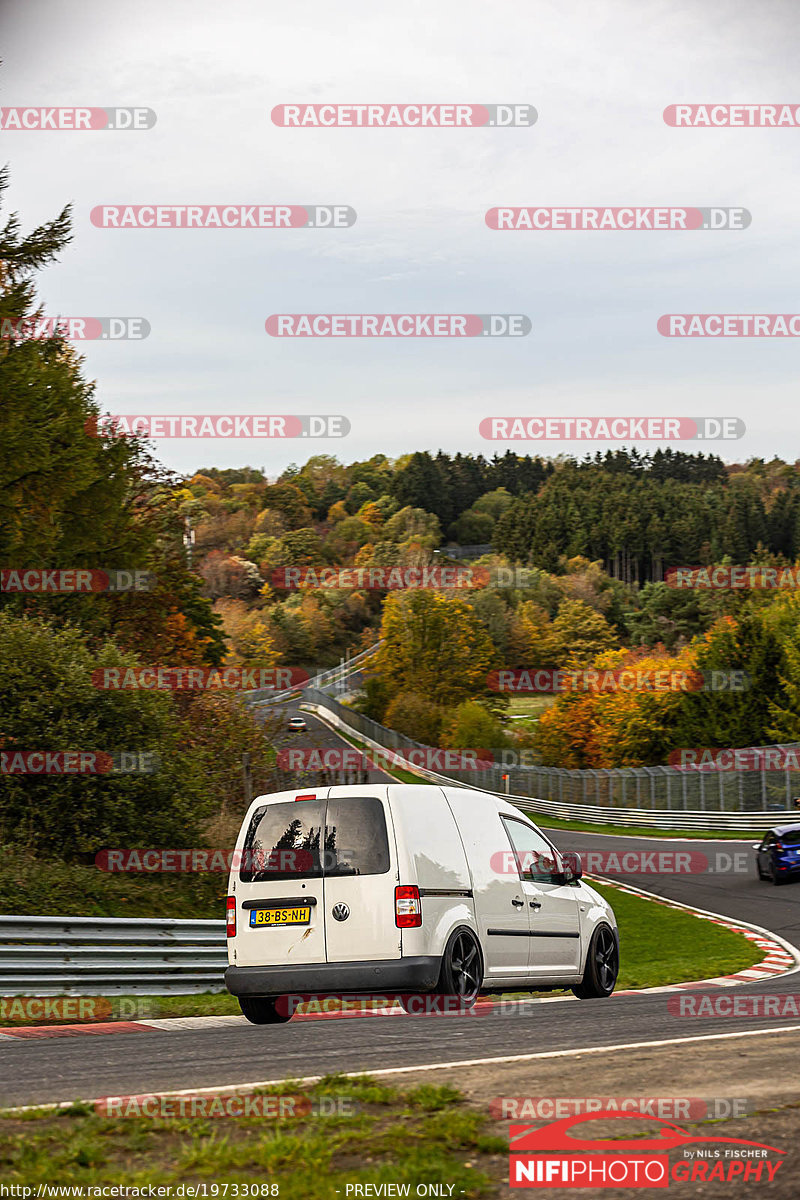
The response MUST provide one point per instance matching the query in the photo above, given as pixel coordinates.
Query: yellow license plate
(280, 916)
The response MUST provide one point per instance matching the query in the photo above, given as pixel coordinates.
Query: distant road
(319, 736)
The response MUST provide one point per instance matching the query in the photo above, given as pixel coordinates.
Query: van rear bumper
(418, 974)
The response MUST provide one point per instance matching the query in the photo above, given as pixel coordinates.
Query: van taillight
(307, 797)
(231, 917)
(407, 907)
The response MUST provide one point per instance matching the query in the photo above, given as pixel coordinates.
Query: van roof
(396, 792)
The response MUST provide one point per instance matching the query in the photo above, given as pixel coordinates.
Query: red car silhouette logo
(556, 1136)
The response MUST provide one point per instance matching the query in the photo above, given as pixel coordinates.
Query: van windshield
(285, 840)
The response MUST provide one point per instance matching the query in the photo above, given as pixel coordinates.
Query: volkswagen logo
(340, 912)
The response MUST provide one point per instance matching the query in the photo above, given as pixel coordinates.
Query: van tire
(602, 966)
(461, 973)
(265, 1010)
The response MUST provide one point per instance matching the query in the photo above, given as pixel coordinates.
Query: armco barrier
(110, 956)
(728, 800)
(325, 679)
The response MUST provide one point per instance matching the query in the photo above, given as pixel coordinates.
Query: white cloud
(599, 75)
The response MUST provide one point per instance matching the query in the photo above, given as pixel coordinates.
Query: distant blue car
(778, 853)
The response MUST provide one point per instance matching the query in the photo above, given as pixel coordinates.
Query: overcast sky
(599, 76)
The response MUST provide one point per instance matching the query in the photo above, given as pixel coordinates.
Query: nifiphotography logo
(552, 1157)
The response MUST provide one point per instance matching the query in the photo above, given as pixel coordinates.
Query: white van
(406, 888)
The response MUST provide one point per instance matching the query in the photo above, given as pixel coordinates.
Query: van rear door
(280, 917)
(360, 860)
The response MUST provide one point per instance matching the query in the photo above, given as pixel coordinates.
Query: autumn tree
(470, 727)
(415, 715)
(581, 632)
(434, 644)
(73, 496)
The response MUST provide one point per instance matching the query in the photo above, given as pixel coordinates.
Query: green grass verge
(422, 1135)
(530, 707)
(659, 945)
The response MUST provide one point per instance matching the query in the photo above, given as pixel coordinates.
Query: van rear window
(355, 837)
(284, 840)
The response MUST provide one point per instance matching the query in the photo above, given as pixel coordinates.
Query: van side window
(534, 856)
(283, 842)
(355, 837)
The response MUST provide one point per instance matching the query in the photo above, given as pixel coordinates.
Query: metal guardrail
(110, 956)
(323, 679)
(679, 819)
(725, 802)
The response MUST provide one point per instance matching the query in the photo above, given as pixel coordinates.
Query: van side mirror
(571, 868)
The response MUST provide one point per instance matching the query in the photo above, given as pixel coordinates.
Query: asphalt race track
(319, 737)
(723, 888)
(193, 1055)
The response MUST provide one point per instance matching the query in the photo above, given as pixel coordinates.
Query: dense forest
(595, 537)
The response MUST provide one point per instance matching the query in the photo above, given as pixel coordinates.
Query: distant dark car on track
(778, 853)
